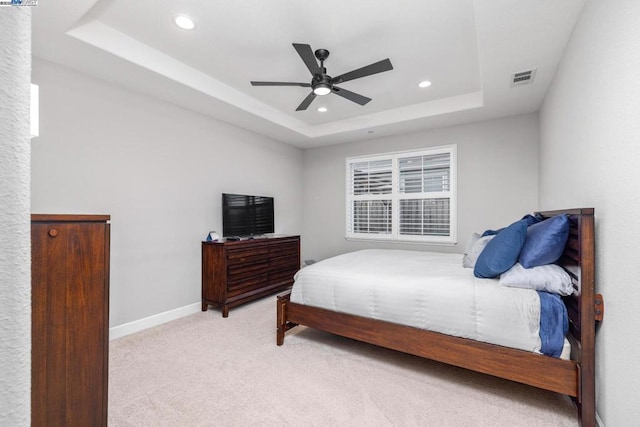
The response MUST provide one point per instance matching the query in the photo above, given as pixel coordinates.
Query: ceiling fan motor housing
(321, 83)
(322, 54)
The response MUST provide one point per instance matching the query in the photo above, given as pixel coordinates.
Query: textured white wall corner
(15, 252)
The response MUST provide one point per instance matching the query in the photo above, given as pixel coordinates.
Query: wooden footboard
(539, 371)
(575, 377)
(283, 325)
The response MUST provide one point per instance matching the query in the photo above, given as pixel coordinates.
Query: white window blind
(371, 183)
(407, 196)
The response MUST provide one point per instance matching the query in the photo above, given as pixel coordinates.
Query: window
(408, 196)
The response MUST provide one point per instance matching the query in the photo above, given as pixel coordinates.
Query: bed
(573, 376)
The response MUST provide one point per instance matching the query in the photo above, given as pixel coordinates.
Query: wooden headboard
(584, 307)
(578, 260)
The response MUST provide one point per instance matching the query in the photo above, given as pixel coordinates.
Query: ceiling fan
(323, 84)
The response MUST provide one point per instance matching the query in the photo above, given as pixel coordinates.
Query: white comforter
(426, 290)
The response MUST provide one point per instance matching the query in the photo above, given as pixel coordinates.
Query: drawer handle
(53, 232)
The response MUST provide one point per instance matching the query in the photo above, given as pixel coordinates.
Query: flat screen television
(244, 215)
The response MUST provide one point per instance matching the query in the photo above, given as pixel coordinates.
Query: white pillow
(472, 241)
(472, 254)
(551, 278)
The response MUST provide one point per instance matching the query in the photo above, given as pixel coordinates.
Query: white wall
(590, 156)
(159, 171)
(497, 181)
(15, 232)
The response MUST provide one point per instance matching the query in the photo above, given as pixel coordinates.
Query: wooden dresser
(70, 319)
(235, 272)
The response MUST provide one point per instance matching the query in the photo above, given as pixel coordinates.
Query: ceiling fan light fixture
(322, 89)
(184, 22)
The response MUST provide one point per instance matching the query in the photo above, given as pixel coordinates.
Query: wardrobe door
(70, 262)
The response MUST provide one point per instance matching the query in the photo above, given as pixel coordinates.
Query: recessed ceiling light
(322, 109)
(184, 22)
(425, 83)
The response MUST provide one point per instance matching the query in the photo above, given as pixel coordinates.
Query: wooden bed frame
(575, 377)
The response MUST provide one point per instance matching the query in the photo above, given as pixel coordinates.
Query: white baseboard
(599, 422)
(151, 321)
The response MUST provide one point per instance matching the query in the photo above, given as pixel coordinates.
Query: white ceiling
(468, 49)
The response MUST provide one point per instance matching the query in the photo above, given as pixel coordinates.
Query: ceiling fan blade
(305, 52)
(351, 96)
(377, 67)
(280, 84)
(307, 101)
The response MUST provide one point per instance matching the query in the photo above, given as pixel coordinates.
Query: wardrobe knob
(53, 232)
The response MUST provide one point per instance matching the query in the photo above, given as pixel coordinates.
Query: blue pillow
(501, 253)
(545, 242)
(531, 219)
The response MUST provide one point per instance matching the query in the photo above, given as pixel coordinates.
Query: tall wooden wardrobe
(70, 319)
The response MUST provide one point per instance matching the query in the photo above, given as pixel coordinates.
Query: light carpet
(204, 370)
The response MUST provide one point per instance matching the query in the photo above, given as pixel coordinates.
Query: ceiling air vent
(523, 77)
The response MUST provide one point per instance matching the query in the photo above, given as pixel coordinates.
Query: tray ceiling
(468, 49)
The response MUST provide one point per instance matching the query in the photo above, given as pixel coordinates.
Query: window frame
(395, 196)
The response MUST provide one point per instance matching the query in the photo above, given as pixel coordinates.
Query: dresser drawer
(241, 271)
(285, 262)
(237, 287)
(248, 255)
(282, 277)
(287, 248)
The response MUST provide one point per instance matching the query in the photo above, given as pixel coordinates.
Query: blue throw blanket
(554, 323)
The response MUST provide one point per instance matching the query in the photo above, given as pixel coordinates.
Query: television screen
(244, 215)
